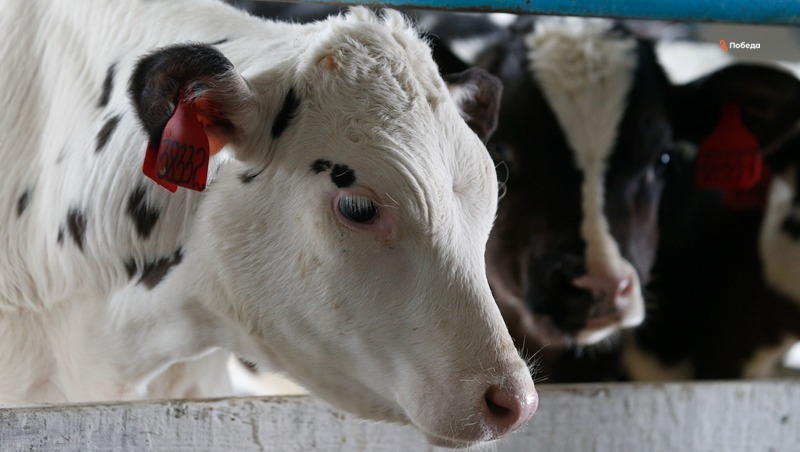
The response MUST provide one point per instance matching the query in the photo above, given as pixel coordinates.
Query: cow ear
(768, 98)
(445, 58)
(477, 95)
(200, 77)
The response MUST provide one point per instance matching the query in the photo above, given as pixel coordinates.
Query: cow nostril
(506, 412)
(496, 409)
(624, 294)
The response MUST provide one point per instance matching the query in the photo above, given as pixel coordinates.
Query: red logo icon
(723, 45)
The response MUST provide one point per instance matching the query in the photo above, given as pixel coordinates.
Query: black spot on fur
(247, 177)
(108, 85)
(155, 271)
(343, 176)
(105, 133)
(288, 109)
(76, 225)
(22, 202)
(321, 165)
(220, 42)
(60, 238)
(130, 267)
(144, 217)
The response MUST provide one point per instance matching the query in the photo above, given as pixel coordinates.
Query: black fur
(343, 176)
(321, 165)
(60, 237)
(130, 267)
(155, 271)
(108, 86)
(22, 202)
(76, 225)
(282, 120)
(105, 133)
(143, 216)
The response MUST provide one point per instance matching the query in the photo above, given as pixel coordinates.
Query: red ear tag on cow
(754, 198)
(729, 158)
(183, 154)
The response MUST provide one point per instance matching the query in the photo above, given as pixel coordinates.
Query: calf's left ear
(477, 94)
(768, 98)
(192, 102)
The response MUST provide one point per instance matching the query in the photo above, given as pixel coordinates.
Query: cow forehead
(585, 71)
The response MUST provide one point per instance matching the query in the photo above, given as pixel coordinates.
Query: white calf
(341, 238)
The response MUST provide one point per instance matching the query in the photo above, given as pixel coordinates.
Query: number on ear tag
(183, 153)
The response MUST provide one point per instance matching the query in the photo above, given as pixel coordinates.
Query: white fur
(393, 322)
(780, 253)
(585, 74)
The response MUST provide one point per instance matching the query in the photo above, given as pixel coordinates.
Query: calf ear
(202, 78)
(444, 57)
(769, 99)
(477, 95)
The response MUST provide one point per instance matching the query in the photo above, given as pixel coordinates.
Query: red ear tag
(729, 158)
(182, 157)
(754, 198)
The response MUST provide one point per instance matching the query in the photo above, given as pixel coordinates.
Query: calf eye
(663, 163)
(358, 209)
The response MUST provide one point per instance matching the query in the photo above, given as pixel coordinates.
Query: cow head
(582, 142)
(346, 234)
(587, 124)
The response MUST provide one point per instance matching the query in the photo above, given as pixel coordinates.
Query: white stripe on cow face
(585, 71)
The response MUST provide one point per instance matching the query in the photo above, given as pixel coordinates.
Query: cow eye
(358, 209)
(663, 162)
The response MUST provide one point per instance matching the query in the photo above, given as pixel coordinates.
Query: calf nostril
(495, 407)
(624, 294)
(506, 412)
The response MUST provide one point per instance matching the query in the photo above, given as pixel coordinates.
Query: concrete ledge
(740, 416)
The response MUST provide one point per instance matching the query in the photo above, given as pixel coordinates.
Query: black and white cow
(588, 123)
(341, 237)
(718, 307)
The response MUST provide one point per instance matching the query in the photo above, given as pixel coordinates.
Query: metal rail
(774, 12)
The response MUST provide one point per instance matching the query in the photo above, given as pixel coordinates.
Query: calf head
(587, 124)
(346, 235)
(582, 140)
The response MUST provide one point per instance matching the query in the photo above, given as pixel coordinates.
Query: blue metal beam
(775, 12)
